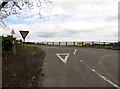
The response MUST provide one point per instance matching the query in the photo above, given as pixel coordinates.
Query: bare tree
(13, 7)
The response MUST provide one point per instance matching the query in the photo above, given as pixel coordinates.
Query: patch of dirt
(22, 69)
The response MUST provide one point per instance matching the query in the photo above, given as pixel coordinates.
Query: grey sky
(71, 20)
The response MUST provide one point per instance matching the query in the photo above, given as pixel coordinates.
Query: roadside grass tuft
(103, 47)
(30, 48)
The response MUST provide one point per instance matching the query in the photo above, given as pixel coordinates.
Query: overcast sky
(68, 20)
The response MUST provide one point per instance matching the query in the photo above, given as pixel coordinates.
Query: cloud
(71, 20)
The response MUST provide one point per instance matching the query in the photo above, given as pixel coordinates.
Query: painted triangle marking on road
(64, 60)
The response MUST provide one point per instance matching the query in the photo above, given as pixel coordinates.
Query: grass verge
(23, 69)
(30, 48)
(103, 47)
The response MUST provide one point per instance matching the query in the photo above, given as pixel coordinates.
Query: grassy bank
(103, 47)
(30, 48)
(23, 69)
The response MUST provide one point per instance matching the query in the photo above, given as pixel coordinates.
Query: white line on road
(104, 78)
(75, 51)
(66, 57)
(50, 47)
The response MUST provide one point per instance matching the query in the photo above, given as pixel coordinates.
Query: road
(80, 67)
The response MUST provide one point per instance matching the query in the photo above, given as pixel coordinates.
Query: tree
(13, 7)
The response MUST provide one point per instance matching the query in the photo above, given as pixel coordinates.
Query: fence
(74, 43)
(59, 43)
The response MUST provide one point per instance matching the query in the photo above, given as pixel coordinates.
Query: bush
(7, 43)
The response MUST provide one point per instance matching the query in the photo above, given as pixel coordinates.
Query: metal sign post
(23, 42)
(24, 34)
(13, 42)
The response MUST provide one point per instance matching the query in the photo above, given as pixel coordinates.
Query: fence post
(73, 43)
(59, 43)
(82, 43)
(103, 43)
(66, 43)
(53, 43)
(92, 42)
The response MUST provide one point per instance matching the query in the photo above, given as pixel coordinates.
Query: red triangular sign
(12, 32)
(24, 34)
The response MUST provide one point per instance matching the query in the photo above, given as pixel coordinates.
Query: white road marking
(50, 47)
(103, 77)
(75, 51)
(66, 57)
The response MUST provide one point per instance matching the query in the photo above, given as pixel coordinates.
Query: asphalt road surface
(80, 67)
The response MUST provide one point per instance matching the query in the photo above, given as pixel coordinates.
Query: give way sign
(24, 34)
